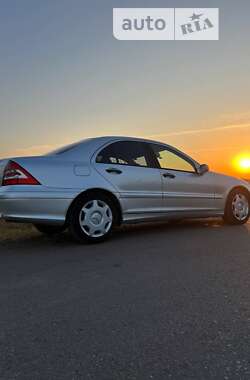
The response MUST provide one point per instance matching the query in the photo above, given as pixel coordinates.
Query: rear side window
(131, 153)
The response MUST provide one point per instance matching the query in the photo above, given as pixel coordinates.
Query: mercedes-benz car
(99, 183)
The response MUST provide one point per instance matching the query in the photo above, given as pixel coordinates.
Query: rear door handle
(168, 175)
(113, 171)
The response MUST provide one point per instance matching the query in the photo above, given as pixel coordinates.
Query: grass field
(11, 231)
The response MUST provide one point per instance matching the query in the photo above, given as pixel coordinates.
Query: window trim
(148, 154)
(177, 153)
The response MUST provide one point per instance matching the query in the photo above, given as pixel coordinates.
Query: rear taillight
(14, 174)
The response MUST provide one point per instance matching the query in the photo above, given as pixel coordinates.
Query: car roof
(84, 149)
(90, 145)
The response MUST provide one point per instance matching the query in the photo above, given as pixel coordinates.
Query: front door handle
(113, 171)
(168, 175)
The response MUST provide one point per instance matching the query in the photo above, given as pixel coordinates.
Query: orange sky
(217, 146)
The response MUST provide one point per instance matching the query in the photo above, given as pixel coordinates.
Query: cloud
(217, 149)
(203, 130)
(37, 150)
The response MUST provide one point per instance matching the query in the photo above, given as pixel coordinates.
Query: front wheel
(92, 218)
(237, 209)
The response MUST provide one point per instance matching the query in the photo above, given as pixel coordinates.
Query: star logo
(195, 17)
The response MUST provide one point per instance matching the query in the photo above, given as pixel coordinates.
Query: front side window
(170, 160)
(131, 153)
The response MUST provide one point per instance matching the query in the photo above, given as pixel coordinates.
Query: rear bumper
(35, 205)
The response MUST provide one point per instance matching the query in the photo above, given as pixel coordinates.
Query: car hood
(230, 180)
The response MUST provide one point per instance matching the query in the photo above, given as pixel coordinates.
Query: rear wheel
(237, 209)
(49, 229)
(92, 218)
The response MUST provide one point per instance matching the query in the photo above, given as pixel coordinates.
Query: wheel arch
(237, 187)
(97, 190)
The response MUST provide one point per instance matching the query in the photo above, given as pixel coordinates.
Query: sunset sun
(242, 163)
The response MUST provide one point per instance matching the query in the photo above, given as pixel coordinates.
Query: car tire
(92, 218)
(49, 230)
(237, 210)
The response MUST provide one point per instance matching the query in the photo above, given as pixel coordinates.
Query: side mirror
(202, 169)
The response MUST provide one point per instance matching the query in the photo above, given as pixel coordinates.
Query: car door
(127, 165)
(184, 190)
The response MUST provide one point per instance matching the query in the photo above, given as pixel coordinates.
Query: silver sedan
(94, 185)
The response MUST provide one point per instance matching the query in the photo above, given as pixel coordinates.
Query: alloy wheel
(96, 218)
(240, 207)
